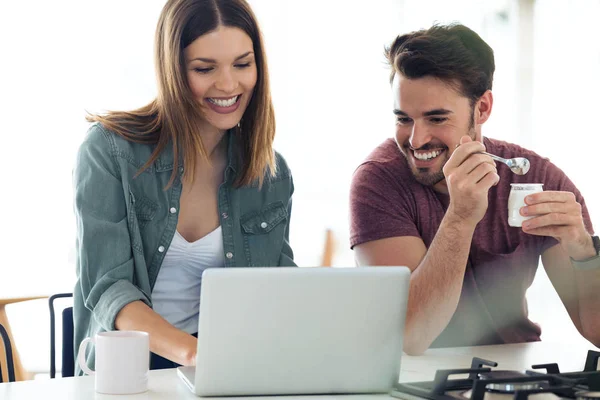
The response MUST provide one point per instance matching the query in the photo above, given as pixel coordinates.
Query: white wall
(333, 98)
(58, 59)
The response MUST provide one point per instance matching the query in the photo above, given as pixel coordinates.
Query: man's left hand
(558, 214)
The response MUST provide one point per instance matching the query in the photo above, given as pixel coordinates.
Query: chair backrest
(68, 356)
(9, 355)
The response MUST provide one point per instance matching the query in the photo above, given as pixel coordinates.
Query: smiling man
(431, 201)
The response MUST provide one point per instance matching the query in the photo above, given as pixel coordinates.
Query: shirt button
(161, 249)
(225, 216)
(264, 225)
(229, 255)
(173, 210)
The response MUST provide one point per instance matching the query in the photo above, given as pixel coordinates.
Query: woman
(188, 182)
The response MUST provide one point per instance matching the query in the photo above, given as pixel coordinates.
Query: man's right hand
(469, 177)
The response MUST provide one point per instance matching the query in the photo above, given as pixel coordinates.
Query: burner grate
(554, 384)
(582, 385)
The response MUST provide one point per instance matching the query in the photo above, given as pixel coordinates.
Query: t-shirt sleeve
(380, 207)
(557, 180)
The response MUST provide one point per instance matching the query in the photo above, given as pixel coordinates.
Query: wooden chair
(328, 249)
(20, 373)
(9, 355)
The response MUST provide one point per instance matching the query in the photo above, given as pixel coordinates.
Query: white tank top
(176, 293)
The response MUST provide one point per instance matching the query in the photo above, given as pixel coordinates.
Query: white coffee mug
(122, 361)
(516, 200)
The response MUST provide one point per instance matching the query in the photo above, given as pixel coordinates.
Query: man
(432, 202)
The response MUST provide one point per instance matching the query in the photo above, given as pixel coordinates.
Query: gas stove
(485, 382)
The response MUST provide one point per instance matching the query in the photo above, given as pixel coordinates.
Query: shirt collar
(165, 160)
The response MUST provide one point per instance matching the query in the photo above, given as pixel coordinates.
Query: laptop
(285, 331)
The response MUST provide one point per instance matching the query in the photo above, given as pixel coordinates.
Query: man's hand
(558, 214)
(469, 177)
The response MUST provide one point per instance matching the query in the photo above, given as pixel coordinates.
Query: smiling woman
(188, 182)
(223, 85)
(219, 53)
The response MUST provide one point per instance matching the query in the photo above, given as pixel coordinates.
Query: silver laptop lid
(282, 331)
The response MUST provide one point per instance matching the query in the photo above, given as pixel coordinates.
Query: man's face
(431, 117)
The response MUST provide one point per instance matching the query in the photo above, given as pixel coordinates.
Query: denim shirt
(125, 224)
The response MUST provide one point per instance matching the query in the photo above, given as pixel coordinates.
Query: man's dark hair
(453, 53)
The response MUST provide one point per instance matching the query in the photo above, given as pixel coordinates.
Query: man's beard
(428, 177)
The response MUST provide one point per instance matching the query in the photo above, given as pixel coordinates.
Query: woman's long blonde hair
(173, 115)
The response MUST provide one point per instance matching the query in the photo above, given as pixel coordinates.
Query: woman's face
(221, 72)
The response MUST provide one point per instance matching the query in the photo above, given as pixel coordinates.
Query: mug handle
(81, 355)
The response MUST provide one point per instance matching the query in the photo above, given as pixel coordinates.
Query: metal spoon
(518, 165)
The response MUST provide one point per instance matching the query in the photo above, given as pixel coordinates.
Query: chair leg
(20, 373)
(328, 249)
(8, 350)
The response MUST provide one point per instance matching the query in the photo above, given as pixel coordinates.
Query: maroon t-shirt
(386, 201)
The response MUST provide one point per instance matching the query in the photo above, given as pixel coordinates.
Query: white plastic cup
(122, 361)
(516, 200)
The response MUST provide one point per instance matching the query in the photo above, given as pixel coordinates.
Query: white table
(165, 384)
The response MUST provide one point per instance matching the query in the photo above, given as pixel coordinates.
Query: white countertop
(165, 384)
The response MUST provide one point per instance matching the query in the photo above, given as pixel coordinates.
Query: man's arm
(436, 279)
(578, 290)
(559, 215)
(438, 272)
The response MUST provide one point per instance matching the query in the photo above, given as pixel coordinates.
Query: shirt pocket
(263, 233)
(142, 210)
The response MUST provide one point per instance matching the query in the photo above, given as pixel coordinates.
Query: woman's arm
(287, 254)
(165, 340)
(104, 253)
